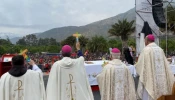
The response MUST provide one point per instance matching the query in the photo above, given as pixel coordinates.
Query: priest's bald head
(115, 53)
(149, 39)
(66, 51)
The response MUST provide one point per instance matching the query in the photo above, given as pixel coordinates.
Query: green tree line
(95, 44)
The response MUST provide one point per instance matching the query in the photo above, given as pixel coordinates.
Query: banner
(144, 13)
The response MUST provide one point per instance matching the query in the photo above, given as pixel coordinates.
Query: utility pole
(166, 31)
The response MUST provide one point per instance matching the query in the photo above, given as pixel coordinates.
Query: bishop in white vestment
(20, 83)
(115, 81)
(156, 78)
(68, 79)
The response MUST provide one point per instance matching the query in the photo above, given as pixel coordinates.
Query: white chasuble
(116, 82)
(142, 42)
(156, 78)
(30, 86)
(68, 81)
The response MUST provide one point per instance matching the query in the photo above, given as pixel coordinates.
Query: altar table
(93, 68)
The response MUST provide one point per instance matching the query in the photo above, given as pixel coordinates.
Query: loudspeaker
(158, 13)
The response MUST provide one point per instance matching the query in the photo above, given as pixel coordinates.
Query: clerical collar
(18, 70)
(152, 44)
(67, 62)
(116, 62)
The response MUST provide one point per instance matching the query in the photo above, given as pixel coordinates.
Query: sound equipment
(158, 13)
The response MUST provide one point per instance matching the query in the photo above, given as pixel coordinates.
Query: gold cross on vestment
(70, 82)
(19, 87)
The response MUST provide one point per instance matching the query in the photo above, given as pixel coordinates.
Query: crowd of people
(45, 61)
(68, 79)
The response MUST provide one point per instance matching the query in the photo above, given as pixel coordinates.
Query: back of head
(18, 60)
(149, 39)
(18, 68)
(66, 51)
(115, 53)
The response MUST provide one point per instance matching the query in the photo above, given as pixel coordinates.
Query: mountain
(96, 28)
(8, 35)
(15, 39)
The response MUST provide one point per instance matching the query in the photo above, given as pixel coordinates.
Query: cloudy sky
(22, 17)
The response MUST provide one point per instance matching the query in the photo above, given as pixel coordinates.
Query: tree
(53, 41)
(170, 46)
(5, 42)
(123, 29)
(8, 40)
(21, 41)
(31, 40)
(114, 43)
(83, 42)
(2, 50)
(53, 49)
(171, 19)
(47, 42)
(69, 41)
(132, 42)
(97, 44)
(72, 41)
(18, 48)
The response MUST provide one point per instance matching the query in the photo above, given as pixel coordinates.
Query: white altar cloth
(94, 69)
(132, 70)
(172, 68)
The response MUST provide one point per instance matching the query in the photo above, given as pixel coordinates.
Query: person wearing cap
(68, 79)
(22, 84)
(156, 78)
(115, 81)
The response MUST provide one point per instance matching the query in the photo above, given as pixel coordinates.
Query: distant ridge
(96, 28)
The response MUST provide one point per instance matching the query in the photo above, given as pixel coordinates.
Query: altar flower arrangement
(104, 62)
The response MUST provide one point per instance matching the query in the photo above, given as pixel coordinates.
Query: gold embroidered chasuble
(154, 71)
(116, 82)
(30, 86)
(68, 81)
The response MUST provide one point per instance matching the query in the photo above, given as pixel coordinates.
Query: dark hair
(18, 60)
(128, 56)
(66, 54)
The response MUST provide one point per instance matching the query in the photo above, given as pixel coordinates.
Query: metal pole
(166, 32)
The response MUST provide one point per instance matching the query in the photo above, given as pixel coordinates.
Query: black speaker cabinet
(158, 13)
